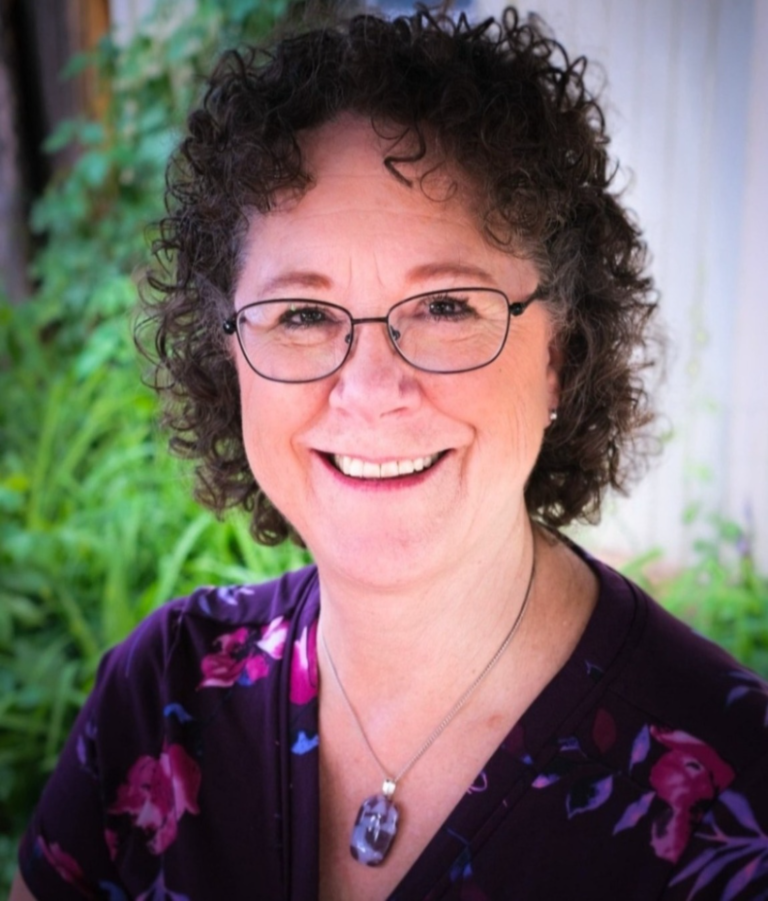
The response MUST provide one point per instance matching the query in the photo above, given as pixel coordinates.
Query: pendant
(375, 827)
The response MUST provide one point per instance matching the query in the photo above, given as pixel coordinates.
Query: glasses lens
(451, 331)
(294, 340)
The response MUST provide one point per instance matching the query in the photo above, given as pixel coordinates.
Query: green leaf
(93, 167)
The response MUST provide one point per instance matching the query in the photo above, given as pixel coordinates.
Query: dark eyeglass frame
(515, 308)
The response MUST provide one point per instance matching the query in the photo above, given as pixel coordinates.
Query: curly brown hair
(504, 102)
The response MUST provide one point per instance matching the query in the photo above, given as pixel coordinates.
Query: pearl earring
(552, 415)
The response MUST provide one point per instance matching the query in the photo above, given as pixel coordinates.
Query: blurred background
(96, 524)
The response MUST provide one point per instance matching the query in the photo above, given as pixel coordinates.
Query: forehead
(358, 213)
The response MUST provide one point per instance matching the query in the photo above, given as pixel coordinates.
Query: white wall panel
(746, 467)
(685, 85)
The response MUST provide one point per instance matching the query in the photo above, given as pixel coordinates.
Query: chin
(382, 556)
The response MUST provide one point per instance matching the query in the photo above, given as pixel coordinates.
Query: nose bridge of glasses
(392, 332)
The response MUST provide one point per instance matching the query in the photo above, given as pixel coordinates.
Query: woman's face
(362, 239)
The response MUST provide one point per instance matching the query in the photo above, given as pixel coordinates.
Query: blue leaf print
(556, 768)
(735, 693)
(753, 685)
(205, 605)
(479, 785)
(640, 747)
(305, 743)
(634, 813)
(570, 744)
(744, 878)
(588, 794)
(461, 868)
(739, 807)
(708, 865)
(749, 851)
(544, 780)
(228, 595)
(86, 749)
(594, 672)
(178, 711)
(113, 892)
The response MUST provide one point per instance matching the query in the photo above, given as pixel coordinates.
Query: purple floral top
(640, 772)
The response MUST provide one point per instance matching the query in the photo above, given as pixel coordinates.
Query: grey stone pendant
(375, 828)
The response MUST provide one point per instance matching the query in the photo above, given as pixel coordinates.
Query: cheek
(265, 430)
(274, 416)
(516, 401)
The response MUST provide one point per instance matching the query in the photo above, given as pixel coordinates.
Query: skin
(19, 890)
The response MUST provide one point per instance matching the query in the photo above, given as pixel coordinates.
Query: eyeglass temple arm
(520, 306)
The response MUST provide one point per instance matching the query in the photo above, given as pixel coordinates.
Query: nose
(375, 380)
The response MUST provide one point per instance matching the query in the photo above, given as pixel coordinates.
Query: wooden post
(14, 236)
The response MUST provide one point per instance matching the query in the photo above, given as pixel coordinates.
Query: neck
(459, 613)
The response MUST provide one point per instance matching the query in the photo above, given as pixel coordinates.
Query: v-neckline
(531, 743)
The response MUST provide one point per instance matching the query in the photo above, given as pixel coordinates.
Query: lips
(356, 468)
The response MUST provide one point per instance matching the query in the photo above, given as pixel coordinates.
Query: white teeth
(362, 469)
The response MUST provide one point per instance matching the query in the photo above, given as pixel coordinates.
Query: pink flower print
(304, 666)
(604, 731)
(66, 866)
(157, 794)
(112, 843)
(689, 775)
(273, 637)
(238, 658)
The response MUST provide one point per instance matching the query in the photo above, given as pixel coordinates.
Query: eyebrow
(454, 270)
(297, 279)
(315, 280)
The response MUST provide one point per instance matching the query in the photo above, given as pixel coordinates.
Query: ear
(554, 368)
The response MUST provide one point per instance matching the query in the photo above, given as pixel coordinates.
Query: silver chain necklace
(376, 825)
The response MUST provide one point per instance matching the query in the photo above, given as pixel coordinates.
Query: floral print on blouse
(640, 772)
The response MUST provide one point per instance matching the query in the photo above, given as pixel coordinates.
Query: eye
(450, 307)
(305, 317)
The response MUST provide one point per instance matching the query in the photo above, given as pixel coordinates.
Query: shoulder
(155, 762)
(698, 752)
(666, 740)
(215, 638)
(208, 615)
(684, 683)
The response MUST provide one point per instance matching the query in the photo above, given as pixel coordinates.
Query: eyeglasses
(299, 340)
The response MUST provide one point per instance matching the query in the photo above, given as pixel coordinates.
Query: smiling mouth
(356, 468)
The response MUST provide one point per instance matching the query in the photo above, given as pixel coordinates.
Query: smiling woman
(406, 324)
(364, 240)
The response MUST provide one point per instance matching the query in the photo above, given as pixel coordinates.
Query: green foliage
(94, 218)
(97, 527)
(721, 595)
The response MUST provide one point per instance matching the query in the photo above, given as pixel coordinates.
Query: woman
(407, 323)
